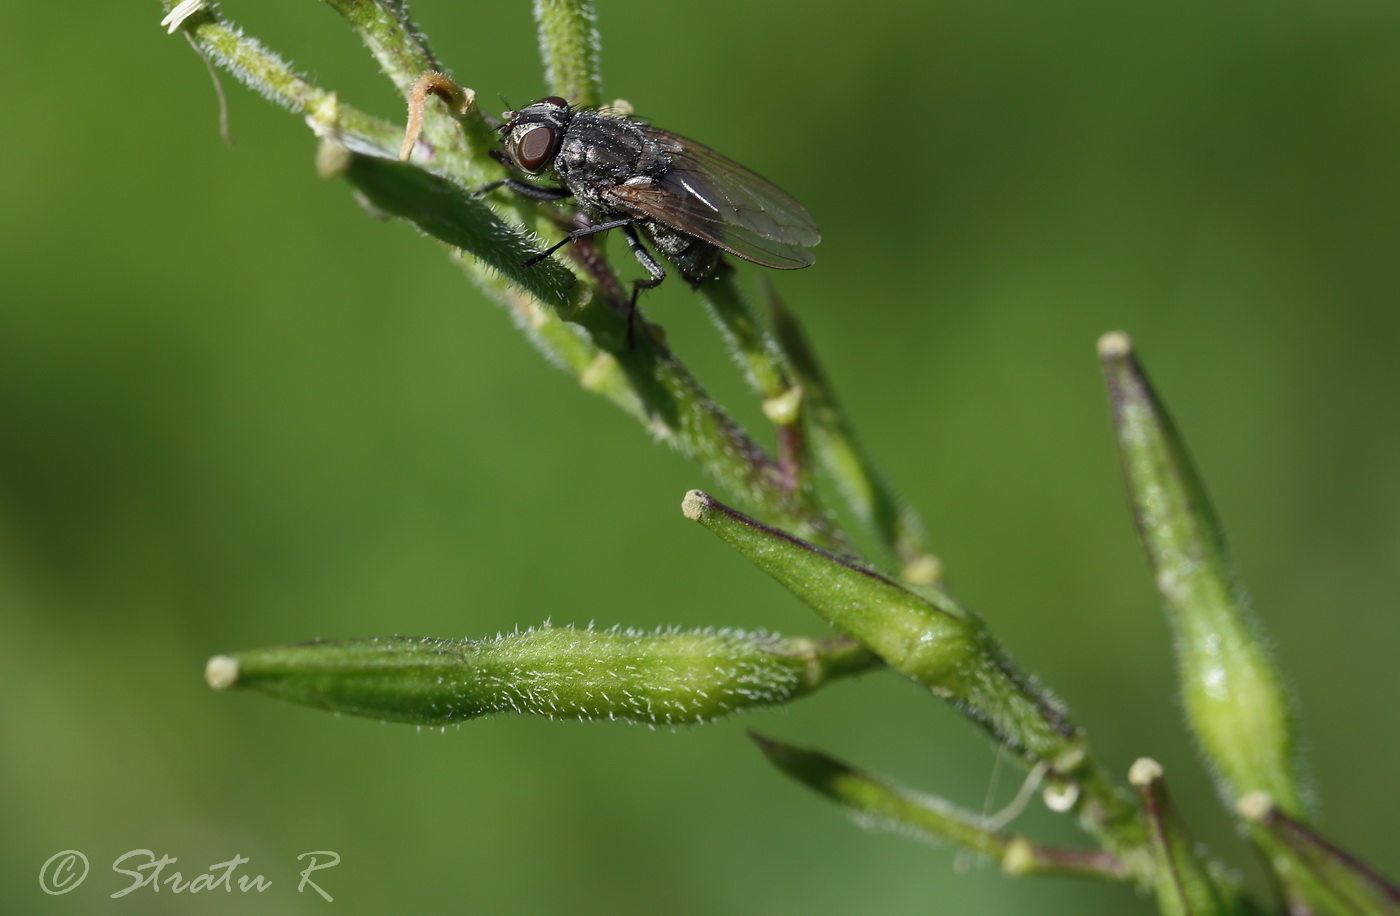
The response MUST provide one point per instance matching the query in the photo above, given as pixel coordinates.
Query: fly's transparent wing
(719, 201)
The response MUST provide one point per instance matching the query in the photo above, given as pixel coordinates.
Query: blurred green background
(236, 411)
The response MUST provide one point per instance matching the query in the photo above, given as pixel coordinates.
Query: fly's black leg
(577, 234)
(525, 189)
(645, 258)
(652, 266)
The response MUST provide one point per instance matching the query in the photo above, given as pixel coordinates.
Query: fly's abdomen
(695, 258)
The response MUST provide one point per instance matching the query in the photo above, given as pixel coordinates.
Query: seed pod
(667, 677)
(941, 645)
(1233, 692)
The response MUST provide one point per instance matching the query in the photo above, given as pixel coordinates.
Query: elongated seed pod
(667, 677)
(938, 644)
(1232, 689)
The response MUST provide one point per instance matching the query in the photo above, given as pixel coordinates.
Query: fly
(688, 201)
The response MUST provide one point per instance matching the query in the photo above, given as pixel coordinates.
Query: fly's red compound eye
(533, 149)
(553, 100)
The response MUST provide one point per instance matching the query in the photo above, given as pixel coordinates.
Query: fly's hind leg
(653, 267)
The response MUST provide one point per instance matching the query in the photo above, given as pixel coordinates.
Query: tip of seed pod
(221, 672)
(1115, 345)
(695, 505)
(1144, 772)
(763, 741)
(1060, 798)
(925, 569)
(782, 409)
(1255, 806)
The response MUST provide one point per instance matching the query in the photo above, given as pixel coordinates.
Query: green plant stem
(874, 801)
(446, 212)
(267, 74)
(404, 56)
(1184, 884)
(572, 49)
(1325, 875)
(752, 346)
(866, 490)
(396, 43)
(771, 379)
(650, 384)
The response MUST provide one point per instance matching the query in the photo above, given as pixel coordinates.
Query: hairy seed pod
(668, 677)
(1232, 690)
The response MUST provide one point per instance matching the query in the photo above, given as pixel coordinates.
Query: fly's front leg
(525, 189)
(653, 267)
(578, 234)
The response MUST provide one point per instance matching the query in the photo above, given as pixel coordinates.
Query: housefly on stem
(688, 201)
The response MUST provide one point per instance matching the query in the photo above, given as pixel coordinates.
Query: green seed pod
(1233, 692)
(940, 645)
(668, 677)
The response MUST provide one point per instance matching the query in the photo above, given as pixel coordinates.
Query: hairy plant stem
(571, 49)
(877, 802)
(866, 490)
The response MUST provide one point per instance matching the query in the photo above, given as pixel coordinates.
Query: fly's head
(531, 136)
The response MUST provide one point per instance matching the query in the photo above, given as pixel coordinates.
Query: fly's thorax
(601, 151)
